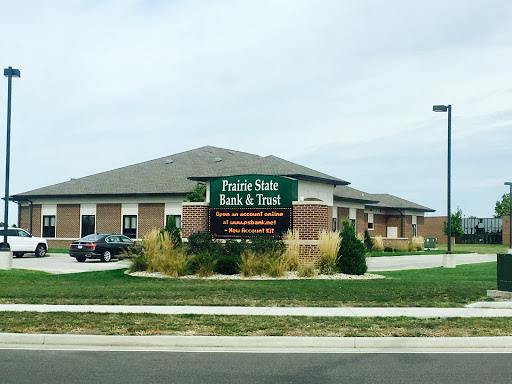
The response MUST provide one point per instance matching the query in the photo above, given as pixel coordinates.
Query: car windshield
(90, 238)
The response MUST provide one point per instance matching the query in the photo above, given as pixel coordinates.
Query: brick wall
(343, 214)
(407, 227)
(506, 229)
(394, 221)
(150, 216)
(420, 225)
(108, 218)
(68, 221)
(24, 217)
(62, 244)
(310, 219)
(195, 218)
(433, 227)
(361, 221)
(379, 225)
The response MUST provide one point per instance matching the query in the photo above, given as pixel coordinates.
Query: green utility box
(430, 242)
(504, 272)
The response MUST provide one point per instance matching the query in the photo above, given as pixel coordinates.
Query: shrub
(173, 231)
(267, 244)
(378, 246)
(291, 240)
(234, 247)
(368, 242)
(388, 249)
(202, 264)
(228, 264)
(352, 252)
(139, 263)
(329, 244)
(198, 194)
(254, 264)
(203, 242)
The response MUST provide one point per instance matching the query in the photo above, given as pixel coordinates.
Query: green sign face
(253, 191)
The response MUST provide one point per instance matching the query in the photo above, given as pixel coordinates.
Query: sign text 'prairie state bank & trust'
(248, 205)
(253, 191)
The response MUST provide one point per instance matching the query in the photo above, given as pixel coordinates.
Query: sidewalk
(482, 309)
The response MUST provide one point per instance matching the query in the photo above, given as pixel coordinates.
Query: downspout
(401, 223)
(31, 209)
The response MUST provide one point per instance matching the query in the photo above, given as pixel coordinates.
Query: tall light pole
(509, 217)
(449, 260)
(9, 73)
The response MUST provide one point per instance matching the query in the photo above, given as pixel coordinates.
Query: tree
(502, 207)
(198, 194)
(368, 242)
(455, 224)
(352, 252)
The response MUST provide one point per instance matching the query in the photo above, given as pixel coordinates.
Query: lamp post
(9, 73)
(509, 217)
(449, 259)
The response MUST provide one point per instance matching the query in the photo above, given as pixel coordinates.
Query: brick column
(194, 219)
(68, 221)
(310, 218)
(151, 216)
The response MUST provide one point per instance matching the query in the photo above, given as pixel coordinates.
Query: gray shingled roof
(176, 174)
(345, 193)
(386, 200)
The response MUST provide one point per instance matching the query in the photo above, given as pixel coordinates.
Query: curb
(257, 342)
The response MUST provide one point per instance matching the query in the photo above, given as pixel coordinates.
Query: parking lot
(59, 263)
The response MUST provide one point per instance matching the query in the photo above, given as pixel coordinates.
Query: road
(59, 367)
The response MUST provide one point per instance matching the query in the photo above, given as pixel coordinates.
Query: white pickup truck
(21, 242)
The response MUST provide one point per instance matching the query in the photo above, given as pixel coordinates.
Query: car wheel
(80, 259)
(18, 254)
(40, 250)
(107, 256)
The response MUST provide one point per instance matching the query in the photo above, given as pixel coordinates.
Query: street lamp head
(508, 182)
(10, 72)
(440, 108)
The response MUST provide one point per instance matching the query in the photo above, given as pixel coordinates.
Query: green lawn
(439, 287)
(207, 325)
(475, 248)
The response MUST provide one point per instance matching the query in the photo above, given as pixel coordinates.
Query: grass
(437, 287)
(152, 324)
(475, 248)
(58, 250)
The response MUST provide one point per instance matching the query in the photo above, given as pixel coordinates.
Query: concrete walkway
(397, 263)
(476, 310)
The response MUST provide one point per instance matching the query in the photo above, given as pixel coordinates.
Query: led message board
(249, 205)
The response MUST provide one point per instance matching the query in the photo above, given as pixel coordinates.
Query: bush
(267, 244)
(368, 242)
(139, 263)
(329, 244)
(173, 231)
(388, 249)
(234, 247)
(202, 264)
(203, 242)
(378, 246)
(254, 264)
(352, 252)
(228, 264)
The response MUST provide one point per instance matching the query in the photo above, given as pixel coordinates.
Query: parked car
(99, 246)
(21, 242)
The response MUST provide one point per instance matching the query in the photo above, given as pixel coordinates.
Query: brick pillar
(108, 218)
(194, 219)
(310, 218)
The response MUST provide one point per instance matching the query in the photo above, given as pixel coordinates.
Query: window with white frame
(352, 214)
(370, 222)
(414, 226)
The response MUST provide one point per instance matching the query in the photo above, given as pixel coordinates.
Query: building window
(48, 226)
(414, 230)
(370, 221)
(88, 225)
(130, 226)
(334, 224)
(352, 215)
(176, 217)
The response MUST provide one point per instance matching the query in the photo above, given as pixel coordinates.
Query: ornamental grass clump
(417, 243)
(291, 252)
(378, 245)
(329, 244)
(270, 264)
(162, 255)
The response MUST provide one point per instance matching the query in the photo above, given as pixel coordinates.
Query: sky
(342, 87)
